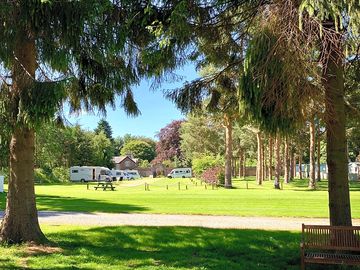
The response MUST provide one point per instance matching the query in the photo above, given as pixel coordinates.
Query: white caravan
(119, 175)
(89, 173)
(180, 173)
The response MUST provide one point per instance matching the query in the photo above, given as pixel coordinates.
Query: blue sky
(156, 111)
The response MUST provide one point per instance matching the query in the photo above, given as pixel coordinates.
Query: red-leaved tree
(168, 147)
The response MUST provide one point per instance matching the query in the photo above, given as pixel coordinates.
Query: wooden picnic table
(105, 185)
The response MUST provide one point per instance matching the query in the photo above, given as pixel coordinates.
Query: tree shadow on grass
(172, 248)
(60, 203)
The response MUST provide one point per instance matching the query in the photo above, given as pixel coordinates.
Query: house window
(74, 171)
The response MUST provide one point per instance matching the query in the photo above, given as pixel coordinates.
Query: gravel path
(228, 222)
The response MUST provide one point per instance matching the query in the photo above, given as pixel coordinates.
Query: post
(167, 187)
(145, 186)
(186, 187)
(87, 186)
(205, 186)
(179, 185)
(247, 184)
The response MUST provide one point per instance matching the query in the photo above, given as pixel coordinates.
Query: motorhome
(180, 173)
(89, 173)
(132, 174)
(119, 175)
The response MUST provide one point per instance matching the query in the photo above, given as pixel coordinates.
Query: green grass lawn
(294, 200)
(154, 248)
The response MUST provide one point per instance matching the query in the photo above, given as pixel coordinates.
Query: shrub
(41, 176)
(56, 175)
(214, 175)
(61, 174)
(201, 164)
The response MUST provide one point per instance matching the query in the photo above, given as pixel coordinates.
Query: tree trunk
(293, 165)
(277, 162)
(312, 183)
(263, 173)
(241, 160)
(228, 151)
(287, 162)
(318, 156)
(339, 197)
(270, 158)
(20, 223)
(244, 165)
(300, 167)
(259, 165)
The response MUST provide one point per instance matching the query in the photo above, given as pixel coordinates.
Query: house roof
(120, 159)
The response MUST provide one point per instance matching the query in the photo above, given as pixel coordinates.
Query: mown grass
(158, 248)
(294, 200)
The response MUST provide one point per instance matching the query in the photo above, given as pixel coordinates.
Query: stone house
(125, 163)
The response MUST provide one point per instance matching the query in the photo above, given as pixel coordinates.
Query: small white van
(180, 173)
(119, 175)
(132, 174)
(89, 173)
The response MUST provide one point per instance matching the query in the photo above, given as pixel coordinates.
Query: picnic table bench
(323, 244)
(105, 185)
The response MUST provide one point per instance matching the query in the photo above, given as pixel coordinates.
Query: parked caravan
(180, 173)
(89, 173)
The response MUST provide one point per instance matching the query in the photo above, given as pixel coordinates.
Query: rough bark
(259, 165)
(20, 223)
(270, 173)
(318, 156)
(339, 197)
(287, 162)
(312, 180)
(263, 173)
(241, 160)
(300, 167)
(244, 165)
(277, 163)
(228, 151)
(293, 165)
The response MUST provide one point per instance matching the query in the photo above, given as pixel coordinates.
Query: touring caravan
(180, 173)
(89, 173)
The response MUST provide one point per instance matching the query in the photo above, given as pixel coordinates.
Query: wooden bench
(105, 185)
(330, 245)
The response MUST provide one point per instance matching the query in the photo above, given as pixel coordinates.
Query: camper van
(119, 175)
(89, 173)
(180, 173)
(132, 174)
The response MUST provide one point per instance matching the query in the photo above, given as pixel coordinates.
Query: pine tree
(83, 52)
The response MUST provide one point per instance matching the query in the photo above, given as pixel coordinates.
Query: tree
(104, 126)
(169, 144)
(139, 149)
(201, 135)
(102, 150)
(54, 51)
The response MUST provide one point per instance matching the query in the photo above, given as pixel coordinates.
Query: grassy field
(293, 200)
(155, 248)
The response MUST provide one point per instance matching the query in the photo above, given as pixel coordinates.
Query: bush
(214, 175)
(201, 164)
(56, 175)
(61, 174)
